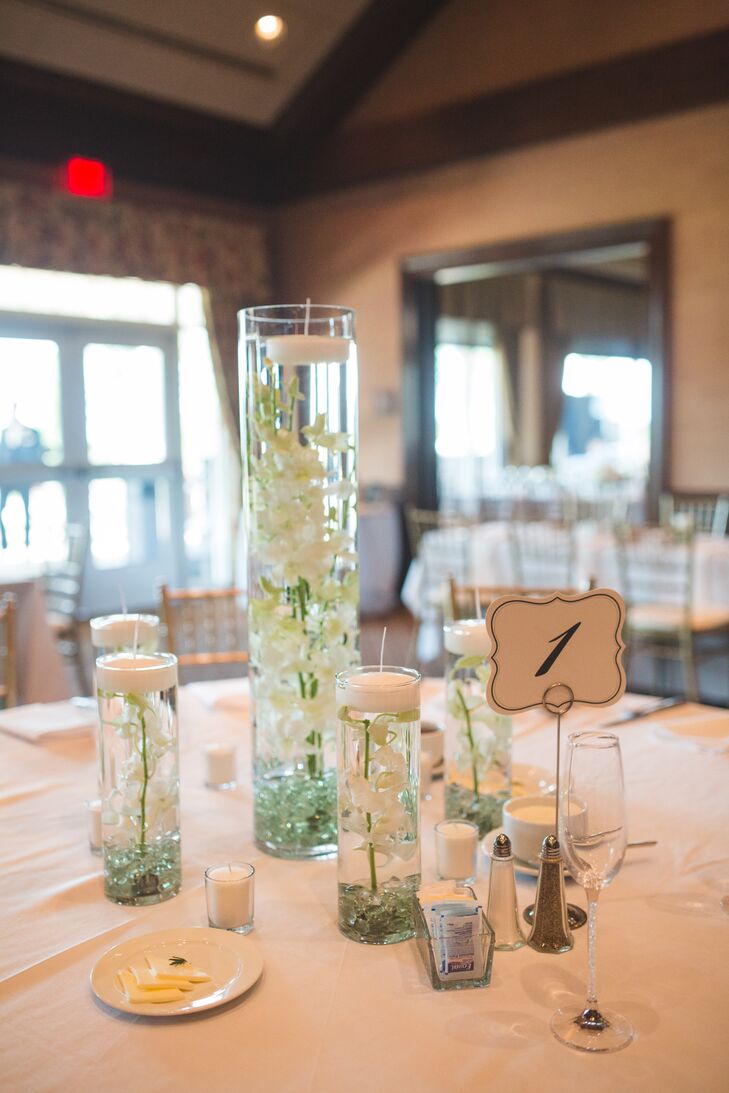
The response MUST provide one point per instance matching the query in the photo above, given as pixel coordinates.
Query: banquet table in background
(331, 1016)
(481, 554)
(41, 675)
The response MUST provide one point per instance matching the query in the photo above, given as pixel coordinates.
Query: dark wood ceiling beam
(650, 83)
(360, 57)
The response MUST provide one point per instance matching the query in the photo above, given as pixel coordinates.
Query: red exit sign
(88, 178)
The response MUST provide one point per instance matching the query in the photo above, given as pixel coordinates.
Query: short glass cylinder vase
(478, 740)
(124, 633)
(300, 425)
(139, 777)
(378, 771)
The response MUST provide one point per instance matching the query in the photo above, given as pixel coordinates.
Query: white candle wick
(308, 311)
(382, 647)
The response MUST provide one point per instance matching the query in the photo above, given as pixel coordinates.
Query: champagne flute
(593, 837)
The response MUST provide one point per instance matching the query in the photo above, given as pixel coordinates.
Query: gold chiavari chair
(657, 575)
(204, 626)
(465, 599)
(8, 652)
(708, 514)
(544, 553)
(62, 587)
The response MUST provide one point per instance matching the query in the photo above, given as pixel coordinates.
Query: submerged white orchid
(303, 615)
(377, 802)
(145, 786)
(483, 737)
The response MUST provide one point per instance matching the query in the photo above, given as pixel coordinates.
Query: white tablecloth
(41, 676)
(482, 554)
(331, 1016)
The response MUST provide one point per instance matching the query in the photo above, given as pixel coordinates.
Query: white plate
(232, 961)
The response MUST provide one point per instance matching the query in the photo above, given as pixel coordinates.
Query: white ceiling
(195, 53)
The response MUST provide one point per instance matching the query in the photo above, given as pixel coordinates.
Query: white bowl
(528, 820)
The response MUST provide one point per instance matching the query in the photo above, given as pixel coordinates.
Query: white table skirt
(331, 1016)
(482, 554)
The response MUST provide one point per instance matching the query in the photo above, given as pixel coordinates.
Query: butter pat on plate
(136, 994)
(148, 981)
(175, 968)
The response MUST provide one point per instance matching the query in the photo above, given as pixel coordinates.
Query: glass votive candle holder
(229, 896)
(456, 850)
(220, 770)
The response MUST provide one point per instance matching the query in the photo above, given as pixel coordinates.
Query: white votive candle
(456, 846)
(307, 349)
(220, 770)
(229, 896)
(93, 816)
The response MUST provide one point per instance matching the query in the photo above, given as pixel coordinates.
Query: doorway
(559, 326)
(100, 401)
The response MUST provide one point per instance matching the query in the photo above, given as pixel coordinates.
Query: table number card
(559, 639)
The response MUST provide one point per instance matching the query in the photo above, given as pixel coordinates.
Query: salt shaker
(502, 911)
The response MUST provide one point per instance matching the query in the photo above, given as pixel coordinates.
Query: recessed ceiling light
(269, 28)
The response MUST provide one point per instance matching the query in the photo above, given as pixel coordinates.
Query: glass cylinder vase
(478, 740)
(301, 521)
(139, 777)
(378, 773)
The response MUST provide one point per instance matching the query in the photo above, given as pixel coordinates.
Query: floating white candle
(220, 766)
(307, 349)
(229, 896)
(117, 631)
(456, 845)
(390, 690)
(122, 674)
(467, 637)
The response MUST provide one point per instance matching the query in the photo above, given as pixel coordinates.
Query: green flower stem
(145, 783)
(368, 815)
(469, 734)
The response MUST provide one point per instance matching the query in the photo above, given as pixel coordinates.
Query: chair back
(204, 625)
(8, 652)
(656, 566)
(707, 513)
(63, 581)
(544, 553)
(467, 599)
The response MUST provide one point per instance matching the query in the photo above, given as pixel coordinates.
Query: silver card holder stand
(550, 916)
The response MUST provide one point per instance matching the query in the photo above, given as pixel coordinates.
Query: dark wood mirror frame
(419, 294)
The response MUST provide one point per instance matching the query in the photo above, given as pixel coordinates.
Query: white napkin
(43, 721)
(703, 733)
(222, 694)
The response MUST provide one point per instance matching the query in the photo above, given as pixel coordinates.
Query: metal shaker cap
(502, 846)
(550, 849)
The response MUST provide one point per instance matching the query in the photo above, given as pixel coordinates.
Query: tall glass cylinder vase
(139, 777)
(301, 520)
(478, 740)
(378, 764)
